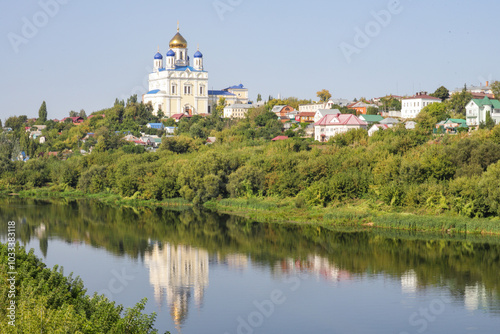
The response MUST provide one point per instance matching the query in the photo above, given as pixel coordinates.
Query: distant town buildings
(362, 107)
(282, 111)
(305, 117)
(323, 112)
(316, 106)
(476, 90)
(371, 119)
(376, 127)
(411, 106)
(237, 110)
(237, 94)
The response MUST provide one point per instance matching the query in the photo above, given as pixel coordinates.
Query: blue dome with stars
(170, 53)
(158, 56)
(198, 54)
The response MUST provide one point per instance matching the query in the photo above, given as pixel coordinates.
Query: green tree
(489, 123)
(372, 111)
(259, 98)
(119, 103)
(219, 109)
(132, 99)
(390, 103)
(324, 95)
(458, 101)
(432, 114)
(495, 87)
(441, 93)
(160, 113)
(83, 114)
(73, 113)
(17, 123)
(42, 113)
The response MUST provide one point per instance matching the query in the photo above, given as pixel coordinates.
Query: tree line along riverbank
(397, 171)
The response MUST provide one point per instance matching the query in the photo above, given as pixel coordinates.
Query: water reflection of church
(178, 273)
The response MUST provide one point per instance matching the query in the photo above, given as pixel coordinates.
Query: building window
(201, 90)
(187, 90)
(173, 89)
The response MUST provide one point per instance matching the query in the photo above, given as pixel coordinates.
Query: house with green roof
(371, 119)
(451, 125)
(477, 109)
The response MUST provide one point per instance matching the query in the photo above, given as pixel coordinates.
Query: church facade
(176, 87)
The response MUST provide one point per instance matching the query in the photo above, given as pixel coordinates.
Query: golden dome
(178, 42)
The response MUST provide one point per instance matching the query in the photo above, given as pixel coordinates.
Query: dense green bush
(49, 302)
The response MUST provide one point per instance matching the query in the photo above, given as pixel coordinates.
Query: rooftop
(423, 96)
(487, 102)
(240, 105)
(340, 119)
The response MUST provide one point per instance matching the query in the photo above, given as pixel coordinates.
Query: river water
(209, 273)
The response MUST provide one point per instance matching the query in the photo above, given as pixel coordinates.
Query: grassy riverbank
(354, 214)
(107, 198)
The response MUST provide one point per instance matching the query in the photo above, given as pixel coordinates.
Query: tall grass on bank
(454, 224)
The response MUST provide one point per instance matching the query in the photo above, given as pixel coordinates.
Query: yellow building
(233, 95)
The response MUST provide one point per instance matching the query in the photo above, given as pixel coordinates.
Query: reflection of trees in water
(459, 262)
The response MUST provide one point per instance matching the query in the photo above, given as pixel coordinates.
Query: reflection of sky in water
(195, 292)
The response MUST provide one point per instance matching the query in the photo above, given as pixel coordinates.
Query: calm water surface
(209, 273)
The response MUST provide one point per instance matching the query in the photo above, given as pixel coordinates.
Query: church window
(173, 89)
(201, 90)
(187, 90)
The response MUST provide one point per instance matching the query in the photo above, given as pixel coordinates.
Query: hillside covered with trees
(400, 169)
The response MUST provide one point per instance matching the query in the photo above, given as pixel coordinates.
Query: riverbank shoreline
(356, 214)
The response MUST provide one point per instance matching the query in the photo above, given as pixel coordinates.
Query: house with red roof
(411, 106)
(282, 111)
(279, 138)
(331, 125)
(305, 117)
(75, 120)
(178, 117)
(377, 127)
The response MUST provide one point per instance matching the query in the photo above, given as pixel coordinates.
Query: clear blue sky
(87, 53)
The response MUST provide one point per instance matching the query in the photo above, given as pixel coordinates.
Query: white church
(176, 87)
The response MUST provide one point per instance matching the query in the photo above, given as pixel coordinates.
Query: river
(208, 273)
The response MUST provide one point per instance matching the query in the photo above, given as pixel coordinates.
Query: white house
(477, 109)
(377, 127)
(323, 112)
(410, 125)
(411, 106)
(331, 125)
(316, 106)
(237, 110)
